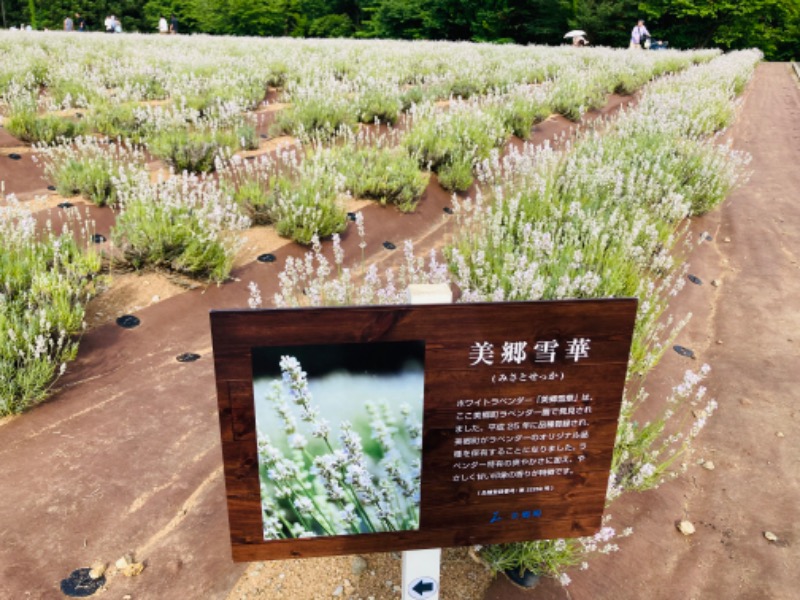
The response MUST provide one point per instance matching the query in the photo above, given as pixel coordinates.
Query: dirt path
(748, 330)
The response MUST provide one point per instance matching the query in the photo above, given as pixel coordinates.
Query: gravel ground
(368, 577)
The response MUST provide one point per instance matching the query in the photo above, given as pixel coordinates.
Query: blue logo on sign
(516, 515)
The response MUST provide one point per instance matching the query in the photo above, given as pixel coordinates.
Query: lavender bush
(46, 278)
(184, 224)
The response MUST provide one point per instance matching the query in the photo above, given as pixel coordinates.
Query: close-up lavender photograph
(339, 431)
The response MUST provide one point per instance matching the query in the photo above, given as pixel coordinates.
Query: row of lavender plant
(192, 135)
(604, 219)
(303, 198)
(80, 72)
(46, 276)
(190, 224)
(143, 87)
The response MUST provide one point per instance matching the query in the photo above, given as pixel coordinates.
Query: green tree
(32, 14)
(545, 22)
(771, 25)
(331, 26)
(399, 19)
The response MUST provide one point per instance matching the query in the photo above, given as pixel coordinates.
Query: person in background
(109, 24)
(117, 25)
(173, 24)
(80, 22)
(579, 41)
(68, 24)
(162, 25)
(639, 35)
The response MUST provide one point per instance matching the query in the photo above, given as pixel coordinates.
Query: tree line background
(771, 25)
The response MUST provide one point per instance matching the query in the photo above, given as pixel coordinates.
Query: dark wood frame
(451, 513)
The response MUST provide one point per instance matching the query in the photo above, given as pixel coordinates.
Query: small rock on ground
(686, 527)
(97, 570)
(358, 565)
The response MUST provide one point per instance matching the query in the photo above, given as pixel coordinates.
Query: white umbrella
(574, 33)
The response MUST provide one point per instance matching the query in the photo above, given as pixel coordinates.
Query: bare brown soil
(125, 456)
(129, 293)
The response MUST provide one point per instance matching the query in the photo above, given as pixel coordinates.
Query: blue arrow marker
(423, 587)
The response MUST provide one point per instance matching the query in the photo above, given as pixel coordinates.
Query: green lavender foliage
(89, 169)
(119, 120)
(388, 175)
(47, 129)
(46, 278)
(521, 109)
(320, 109)
(301, 193)
(196, 150)
(310, 206)
(452, 142)
(184, 225)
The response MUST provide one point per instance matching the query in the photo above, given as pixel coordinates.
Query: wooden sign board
(368, 429)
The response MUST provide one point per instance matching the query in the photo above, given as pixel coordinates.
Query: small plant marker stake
(128, 321)
(80, 584)
(683, 351)
(421, 574)
(694, 279)
(421, 568)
